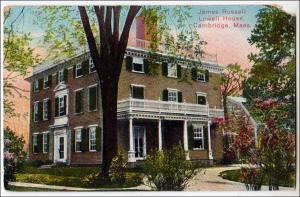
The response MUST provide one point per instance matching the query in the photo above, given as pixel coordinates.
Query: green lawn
(234, 175)
(74, 177)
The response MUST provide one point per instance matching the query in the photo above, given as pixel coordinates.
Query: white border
(291, 4)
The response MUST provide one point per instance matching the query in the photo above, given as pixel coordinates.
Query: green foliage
(14, 155)
(168, 170)
(117, 168)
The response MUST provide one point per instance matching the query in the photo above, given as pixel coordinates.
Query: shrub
(252, 177)
(117, 170)
(14, 155)
(168, 170)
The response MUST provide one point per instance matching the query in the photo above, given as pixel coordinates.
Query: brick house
(155, 111)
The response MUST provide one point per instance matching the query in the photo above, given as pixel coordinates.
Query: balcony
(132, 105)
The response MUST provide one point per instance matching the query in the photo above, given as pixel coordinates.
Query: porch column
(131, 156)
(209, 141)
(159, 135)
(185, 140)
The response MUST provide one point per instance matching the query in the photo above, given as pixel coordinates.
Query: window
(138, 65)
(201, 77)
(201, 98)
(62, 105)
(46, 82)
(172, 70)
(92, 66)
(173, 95)
(78, 140)
(198, 137)
(79, 70)
(45, 143)
(93, 97)
(45, 109)
(137, 92)
(36, 86)
(35, 111)
(78, 101)
(92, 138)
(60, 76)
(34, 143)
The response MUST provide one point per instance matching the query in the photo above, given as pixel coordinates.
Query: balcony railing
(143, 105)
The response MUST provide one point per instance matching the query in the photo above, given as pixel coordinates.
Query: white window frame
(173, 91)
(44, 102)
(36, 86)
(172, 67)
(138, 60)
(91, 63)
(91, 86)
(77, 130)
(92, 127)
(200, 137)
(34, 142)
(201, 94)
(45, 134)
(35, 111)
(46, 77)
(203, 74)
(78, 67)
(60, 106)
(61, 76)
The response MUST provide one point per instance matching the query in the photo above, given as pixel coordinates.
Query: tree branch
(116, 11)
(108, 25)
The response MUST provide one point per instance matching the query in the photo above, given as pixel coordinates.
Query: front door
(60, 146)
(139, 142)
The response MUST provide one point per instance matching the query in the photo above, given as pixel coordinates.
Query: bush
(14, 155)
(168, 170)
(252, 177)
(117, 170)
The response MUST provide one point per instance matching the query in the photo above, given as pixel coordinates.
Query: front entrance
(60, 146)
(139, 144)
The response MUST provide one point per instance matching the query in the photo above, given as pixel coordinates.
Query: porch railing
(131, 104)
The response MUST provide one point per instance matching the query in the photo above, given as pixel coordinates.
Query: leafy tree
(273, 73)
(18, 57)
(101, 30)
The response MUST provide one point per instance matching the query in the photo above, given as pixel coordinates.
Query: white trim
(197, 126)
(45, 133)
(76, 129)
(171, 76)
(173, 90)
(78, 64)
(90, 139)
(137, 85)
(137, 62)
(201, 93)
(92, 85)
(79, 127)
(93, 125)
(78, 89)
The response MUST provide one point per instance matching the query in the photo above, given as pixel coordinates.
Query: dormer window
(172, 70)
(138, 65)
(92, 66)
(79, 70)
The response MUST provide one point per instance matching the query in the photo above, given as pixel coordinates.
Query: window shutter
(206, 75)
(40, 110)
(194, 74)
(48, 136)
(129, 63)
(165, 95)
(93, 98)
(40, 143)
(32, 112)
(50, 80)
(85, 67)
(146, 66)
(84, 140)
(56, 107)
(73, 143)
(205, 135)
(78, 101)
(66, 75)
(98, 138)
(49, 109)
(65, 104)
(74, 71)
(191, 137)
(40, 82)
(56, 78)
(165, 69)
(178, 71)
(179, 97)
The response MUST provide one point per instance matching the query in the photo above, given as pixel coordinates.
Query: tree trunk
(109, 91)
(225, 107)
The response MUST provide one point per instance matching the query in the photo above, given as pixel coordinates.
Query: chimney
(141, 29)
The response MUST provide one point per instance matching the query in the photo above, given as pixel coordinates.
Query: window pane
(138, 92)
(92, 137)
(172, 96)
(138, 67)
(172, 70)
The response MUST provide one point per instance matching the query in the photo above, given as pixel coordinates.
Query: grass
(235, 175)
(83, 177)
(31, 189)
